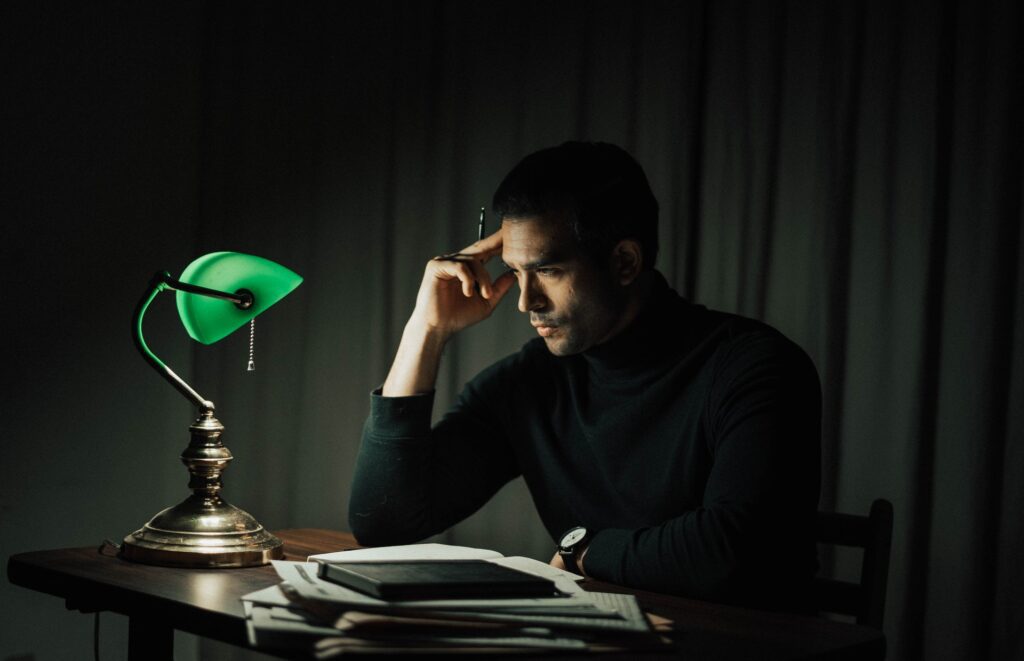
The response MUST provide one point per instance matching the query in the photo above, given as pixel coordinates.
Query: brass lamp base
(203, 531)
(202, 534)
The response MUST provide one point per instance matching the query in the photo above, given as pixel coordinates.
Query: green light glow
(209, 320)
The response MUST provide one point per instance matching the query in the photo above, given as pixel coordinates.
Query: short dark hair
(597, 188)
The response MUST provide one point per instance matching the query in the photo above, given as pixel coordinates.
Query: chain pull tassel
(252, 338)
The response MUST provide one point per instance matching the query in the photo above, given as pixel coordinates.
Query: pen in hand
(480, 237)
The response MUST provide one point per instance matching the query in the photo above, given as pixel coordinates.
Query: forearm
(761, 557)
(698, 554)
(752, 539)
(390, 499)
(456, 292)
(414, 371)
(411, 480)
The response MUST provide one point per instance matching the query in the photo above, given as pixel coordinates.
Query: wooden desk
(205, 602)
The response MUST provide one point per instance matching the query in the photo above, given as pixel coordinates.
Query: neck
(637, 296)
(644, 335)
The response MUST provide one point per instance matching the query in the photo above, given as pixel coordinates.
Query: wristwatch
(572, 542)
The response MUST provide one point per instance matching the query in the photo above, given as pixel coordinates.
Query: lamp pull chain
(252, 337)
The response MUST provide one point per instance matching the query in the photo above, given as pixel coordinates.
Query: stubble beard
(576, 332)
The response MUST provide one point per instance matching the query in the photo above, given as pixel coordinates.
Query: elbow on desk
(381, 529)
(370, 536)
(367, 530)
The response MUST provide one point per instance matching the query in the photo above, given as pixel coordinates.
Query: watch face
(573, 537)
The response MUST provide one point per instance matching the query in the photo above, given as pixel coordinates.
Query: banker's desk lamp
(216, 294)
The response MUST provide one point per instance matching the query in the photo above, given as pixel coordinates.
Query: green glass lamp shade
(209, 320)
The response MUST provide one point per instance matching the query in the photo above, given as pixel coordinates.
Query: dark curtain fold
(849, 172)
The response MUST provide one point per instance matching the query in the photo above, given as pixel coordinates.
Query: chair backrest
(873, 533)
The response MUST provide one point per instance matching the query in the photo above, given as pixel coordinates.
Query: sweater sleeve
(412, 481)
(751, 540)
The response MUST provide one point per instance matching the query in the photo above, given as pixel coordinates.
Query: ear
(627, 261)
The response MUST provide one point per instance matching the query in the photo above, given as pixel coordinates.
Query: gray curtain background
(850, 172)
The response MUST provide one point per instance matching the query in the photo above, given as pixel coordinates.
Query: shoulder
(753, 354)
(709, 332)
(750, 341)
(734, 338)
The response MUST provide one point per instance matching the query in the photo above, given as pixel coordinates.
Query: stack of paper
(305, 611)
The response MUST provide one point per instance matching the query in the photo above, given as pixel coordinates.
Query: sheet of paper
(291, 615)
(416, 631)
(303, 577)
(630, 617)
(272, 596)
(535, 567)
(437, 645)
(429, 551)
(280, 620)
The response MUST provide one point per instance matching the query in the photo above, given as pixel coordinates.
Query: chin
(555, 350)
(562, 347)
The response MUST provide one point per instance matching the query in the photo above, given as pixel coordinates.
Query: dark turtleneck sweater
(690, 441)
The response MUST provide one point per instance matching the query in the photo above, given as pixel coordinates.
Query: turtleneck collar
(645, 341)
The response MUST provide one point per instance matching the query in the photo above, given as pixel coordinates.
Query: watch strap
(569, 560)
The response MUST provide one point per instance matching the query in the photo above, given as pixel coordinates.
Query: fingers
(485, 248)
(470, 272)
(464, 272)
(468, 265)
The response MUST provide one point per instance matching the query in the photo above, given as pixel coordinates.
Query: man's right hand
(456, 293)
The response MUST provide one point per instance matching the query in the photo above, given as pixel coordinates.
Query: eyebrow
(536, 264)
(556, 254)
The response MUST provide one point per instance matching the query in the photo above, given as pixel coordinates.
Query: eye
(548, 271)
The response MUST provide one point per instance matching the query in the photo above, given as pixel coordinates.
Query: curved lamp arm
(162, 281)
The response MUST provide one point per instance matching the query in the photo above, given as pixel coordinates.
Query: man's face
(573, 303)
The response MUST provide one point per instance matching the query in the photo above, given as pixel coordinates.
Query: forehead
(535, 240)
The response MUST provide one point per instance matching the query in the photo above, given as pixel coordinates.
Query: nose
(530, 295)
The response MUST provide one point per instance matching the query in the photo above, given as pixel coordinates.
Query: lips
(544, 330)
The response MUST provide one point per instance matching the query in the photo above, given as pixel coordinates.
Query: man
(684, 442)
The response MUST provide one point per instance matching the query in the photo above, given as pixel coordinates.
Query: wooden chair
(873, 533)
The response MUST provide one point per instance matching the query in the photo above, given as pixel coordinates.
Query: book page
(430, 551)
(535, 567)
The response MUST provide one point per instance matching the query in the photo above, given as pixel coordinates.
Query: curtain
(849, 172)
